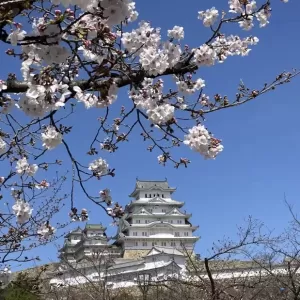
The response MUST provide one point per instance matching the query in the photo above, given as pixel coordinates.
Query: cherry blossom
(99, 167)
(23, 167)
(200, 140)
(51, 137)
(209, 16)
(106, 197)
(22, 210)
(46, 230)
(16, 36)
(3, 85)
(2, 146)
(176, 33)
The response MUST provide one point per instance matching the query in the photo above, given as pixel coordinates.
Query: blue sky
(260, 162)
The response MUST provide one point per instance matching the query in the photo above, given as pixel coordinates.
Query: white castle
(154, 236)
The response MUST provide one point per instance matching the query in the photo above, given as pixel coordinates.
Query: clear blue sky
(261, 158)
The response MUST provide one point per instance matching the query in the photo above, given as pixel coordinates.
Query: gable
(153, 251)
(175, 212)
(157, 200)
(142, 211)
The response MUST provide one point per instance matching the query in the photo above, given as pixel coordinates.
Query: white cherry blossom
(99, 167)
(22, 210)
(200, 140)
(51, 137)
(3, 85)
(209, 16)
(46, 230)
(23, 167)
(176, 33)
(15, 36)
(2, 146)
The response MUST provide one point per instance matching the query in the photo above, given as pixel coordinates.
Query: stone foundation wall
(135, 253)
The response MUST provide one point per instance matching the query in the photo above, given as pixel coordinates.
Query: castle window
(157, 195)
(135, 234)
(173, 244)
(164, 244)
(171, 221)
(162, 195)
(179, 221)
(186, 234)
(138, 221)
(149, 195)
(164, 210)
(136, 243)
(145, 195)
(144, 243)
(176, 234)
(144, 233)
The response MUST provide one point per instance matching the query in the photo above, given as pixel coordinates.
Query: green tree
(23, 287)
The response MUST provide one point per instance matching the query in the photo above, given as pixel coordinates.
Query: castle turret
(89, 242)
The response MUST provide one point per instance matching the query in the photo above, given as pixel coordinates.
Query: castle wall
(135, 253)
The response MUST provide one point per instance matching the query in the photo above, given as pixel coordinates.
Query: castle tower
(88, 242)
(155, 219)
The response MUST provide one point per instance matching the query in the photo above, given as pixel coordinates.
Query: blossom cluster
(22, 210)
(75, 216)
(23, 167)
(154, 56)
(222, 47)
(106, 197)
(99, 167)
(2, 146)
(200, 140)
(150, 99)
(91, 100)
(116, 211)
(51, 137)
(46, 230)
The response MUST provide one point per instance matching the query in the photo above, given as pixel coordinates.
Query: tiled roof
(95, 226)
(165, 250)
(149, 184)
